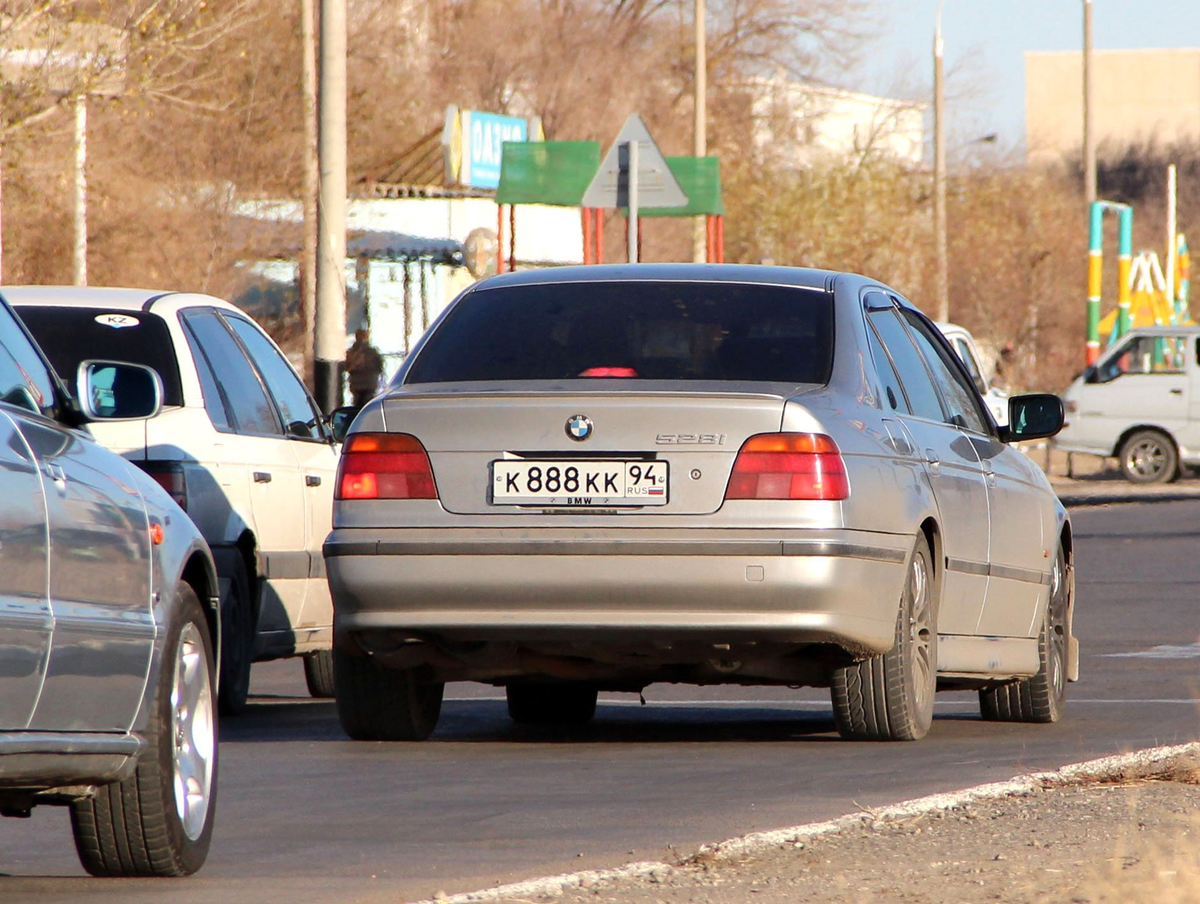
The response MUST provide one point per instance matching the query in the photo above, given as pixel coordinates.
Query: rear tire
(890, 697)
(1149, 456)
(318, 673)
(238, 632)
(1041, 698)
(375, 703)
(158, 822)
(551, 704)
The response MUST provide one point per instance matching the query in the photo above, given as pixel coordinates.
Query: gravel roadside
(1122, 829)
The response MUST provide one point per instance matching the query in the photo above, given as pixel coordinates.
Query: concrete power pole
(1089, 142)
(79, 256)
(330, 318)
(941, 291)
(700, 133)
(312, 181)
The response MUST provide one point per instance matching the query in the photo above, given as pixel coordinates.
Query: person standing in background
(364, 367)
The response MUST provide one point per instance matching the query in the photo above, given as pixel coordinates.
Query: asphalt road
(305, 815)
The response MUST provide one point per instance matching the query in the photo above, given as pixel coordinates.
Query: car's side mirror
(1036, 415)
(118, 391)
(340, 421)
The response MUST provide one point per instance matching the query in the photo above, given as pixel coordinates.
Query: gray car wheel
(1149, 456)
(890, 697)
(1041, 698)
(551, 704)
(375, 703)
(237, 642)
(318, 673)
(158, 822)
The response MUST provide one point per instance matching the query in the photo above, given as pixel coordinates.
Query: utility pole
(79, 257)
(941, 290)
(700, 132)
(330, 318)
(312, 181)
(1089, 141)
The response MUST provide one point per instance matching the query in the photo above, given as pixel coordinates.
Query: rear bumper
(839, 587)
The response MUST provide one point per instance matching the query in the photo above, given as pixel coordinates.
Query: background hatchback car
(241, 446)
(108, 613)
(597, 478)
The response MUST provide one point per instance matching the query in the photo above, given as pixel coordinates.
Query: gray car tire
(1149, 456)
(318, 673)
(159, 821)
(551, 704)
(889, 697)
(1041, 698)
(237, 642)
(375, 703)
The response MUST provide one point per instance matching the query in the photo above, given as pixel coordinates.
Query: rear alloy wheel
(237, 642)
(375, 703)
(1149, 456)
(318, 673)
(890, 697)
(551, 704)
(1041, 698)
(158, 822)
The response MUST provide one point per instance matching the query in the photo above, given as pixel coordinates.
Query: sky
(985, 42)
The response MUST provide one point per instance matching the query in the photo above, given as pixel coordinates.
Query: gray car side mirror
(118, 391)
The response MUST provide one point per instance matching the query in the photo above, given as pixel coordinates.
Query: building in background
(1141, 96)
(807, 123)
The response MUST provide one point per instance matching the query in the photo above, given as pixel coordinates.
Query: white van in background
(1140, 402)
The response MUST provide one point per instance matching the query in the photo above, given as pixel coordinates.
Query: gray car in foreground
(108, 624)
(597, 478)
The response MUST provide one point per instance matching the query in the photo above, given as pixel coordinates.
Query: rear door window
(918, 385)
(72, 335)
(299, 412)
(633, 330)
(243, 391)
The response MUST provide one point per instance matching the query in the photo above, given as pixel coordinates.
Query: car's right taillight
(170, 476)
(788, 466)
(384, 466)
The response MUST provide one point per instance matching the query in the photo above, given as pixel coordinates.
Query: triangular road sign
(657, 186)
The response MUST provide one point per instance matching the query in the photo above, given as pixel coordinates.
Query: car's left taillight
(384, 466)
(789, 466)
(171, 476)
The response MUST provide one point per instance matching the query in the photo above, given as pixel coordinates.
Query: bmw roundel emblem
(579, 427)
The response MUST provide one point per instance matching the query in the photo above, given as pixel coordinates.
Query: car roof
(741, 273)
(112, 298)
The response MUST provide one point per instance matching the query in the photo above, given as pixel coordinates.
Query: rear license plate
(579, 483)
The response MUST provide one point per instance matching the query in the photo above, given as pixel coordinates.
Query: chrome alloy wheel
(1147, 459)
(193, 732)
(1056, 629)
(921, 635)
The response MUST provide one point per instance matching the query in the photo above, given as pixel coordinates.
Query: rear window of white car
(70, 336)
(632, 330)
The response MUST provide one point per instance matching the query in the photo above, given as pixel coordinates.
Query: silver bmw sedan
(597, 478)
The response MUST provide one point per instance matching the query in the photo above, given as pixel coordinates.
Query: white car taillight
(384, 466)
(788, 466)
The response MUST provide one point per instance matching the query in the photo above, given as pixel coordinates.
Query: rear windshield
(632, 330)
(69, 336)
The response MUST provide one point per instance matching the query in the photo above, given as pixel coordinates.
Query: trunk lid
(473, 438)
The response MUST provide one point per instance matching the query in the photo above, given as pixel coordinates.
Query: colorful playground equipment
(1143, 291)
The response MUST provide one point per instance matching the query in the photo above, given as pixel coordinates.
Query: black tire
(551, 704)
(238, 631)
(134, 827)
(1149, 456)
(318, 673)
(1041, 698)
(375, 703)
(890, 697)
